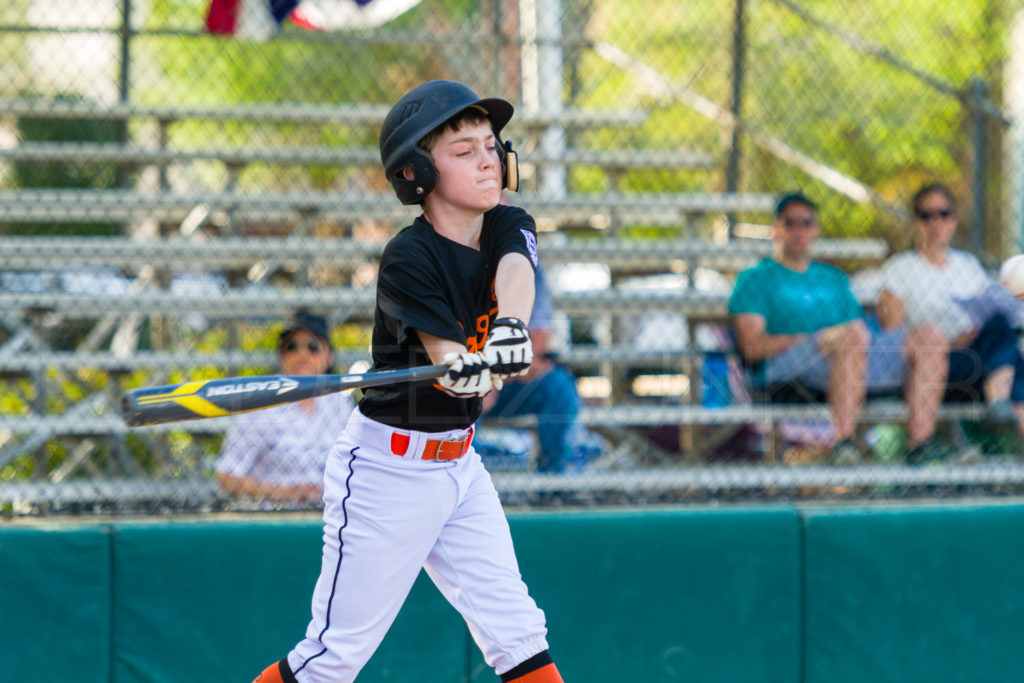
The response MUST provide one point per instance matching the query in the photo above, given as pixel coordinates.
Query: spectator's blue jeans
(994, 346)
(886, 370)
(553, 399)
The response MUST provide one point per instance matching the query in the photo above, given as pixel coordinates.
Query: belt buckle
(459, 440)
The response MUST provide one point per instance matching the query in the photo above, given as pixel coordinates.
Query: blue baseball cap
(310, 322)
(793, 197)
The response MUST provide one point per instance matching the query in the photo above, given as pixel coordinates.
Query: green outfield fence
(168, 196)
(773, 594)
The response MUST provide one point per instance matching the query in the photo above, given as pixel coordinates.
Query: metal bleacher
(142, 330)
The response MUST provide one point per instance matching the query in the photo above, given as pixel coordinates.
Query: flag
(262, 19)
(254, 19)
(332, 15)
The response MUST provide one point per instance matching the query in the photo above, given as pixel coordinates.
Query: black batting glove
(508, 350)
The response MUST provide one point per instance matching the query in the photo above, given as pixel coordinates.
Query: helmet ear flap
(424, 178)
(509, 166)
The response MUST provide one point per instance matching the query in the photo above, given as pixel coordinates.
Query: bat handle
(427, 372)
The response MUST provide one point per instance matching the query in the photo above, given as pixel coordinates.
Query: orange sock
(545, 674)
(278, 672)
(537, 669)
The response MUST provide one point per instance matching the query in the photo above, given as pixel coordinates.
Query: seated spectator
(946, 291)
(547, 391)
(279, 453)
(797, 321)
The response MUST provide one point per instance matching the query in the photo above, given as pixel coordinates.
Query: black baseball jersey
(428, 282)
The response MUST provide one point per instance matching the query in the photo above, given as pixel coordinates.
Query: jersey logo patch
(531, 244)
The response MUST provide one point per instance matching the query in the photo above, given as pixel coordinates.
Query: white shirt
(929, 292)
(285, 445)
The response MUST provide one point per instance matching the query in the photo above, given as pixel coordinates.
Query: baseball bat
(232, 395)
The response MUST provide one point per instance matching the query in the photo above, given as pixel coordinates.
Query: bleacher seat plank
(267, 301)
(263, 301)
(575, 355)
(229, 304)
(653, 480)
(296, 112)
(86, 152)
(650, 415)
(648, 481)
(51, 205)
(619, 415)
(23, 253)
(732, 255)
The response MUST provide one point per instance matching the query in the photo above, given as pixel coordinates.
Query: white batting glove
(468, 375)
(508, 349)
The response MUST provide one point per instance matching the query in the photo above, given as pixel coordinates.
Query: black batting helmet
(420, 111)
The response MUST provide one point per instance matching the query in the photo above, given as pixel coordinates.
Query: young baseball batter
(403, 487)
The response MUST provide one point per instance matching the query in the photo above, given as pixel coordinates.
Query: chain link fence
(168, 197)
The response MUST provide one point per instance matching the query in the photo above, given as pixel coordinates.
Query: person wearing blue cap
(797, 322)
(278, 454)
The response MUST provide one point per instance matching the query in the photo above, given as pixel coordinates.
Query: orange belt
(434, 449)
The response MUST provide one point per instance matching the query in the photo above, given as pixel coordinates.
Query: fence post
(732, 169)
(975, 97)
(540, 26)
(124, 92)
(124, 74)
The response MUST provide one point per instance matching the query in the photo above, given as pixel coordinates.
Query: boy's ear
(408, 173)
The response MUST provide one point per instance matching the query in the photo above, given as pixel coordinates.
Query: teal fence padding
(758, 594)
(219, 601)
(55, 603)
(906, 594)
(655, 596)
(210, 601)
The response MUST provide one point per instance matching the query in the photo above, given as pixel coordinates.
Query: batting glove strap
(508, 349)
(468, 375)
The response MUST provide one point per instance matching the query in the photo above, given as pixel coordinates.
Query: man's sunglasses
(293, 346)
(928, 215)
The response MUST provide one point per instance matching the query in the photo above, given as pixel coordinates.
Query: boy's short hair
(472, 115)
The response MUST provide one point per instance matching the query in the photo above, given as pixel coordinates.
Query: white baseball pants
(385, 517)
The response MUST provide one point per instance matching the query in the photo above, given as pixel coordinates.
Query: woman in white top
(934, 285)
(278, 453)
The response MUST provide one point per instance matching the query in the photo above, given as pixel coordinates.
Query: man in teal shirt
(796, 320)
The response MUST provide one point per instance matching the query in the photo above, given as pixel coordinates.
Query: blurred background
(177, 178)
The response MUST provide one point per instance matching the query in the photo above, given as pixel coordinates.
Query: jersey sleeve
(512, 231)
(411, 295)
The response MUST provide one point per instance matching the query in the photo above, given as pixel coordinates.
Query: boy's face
(468, 168)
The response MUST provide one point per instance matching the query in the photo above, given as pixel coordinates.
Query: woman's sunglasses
(293, 346)
(928, 215)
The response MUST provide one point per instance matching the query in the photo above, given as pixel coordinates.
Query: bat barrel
(134, 416)
(172, 403)
(129, 410)
(218, 397)
(221, 397)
